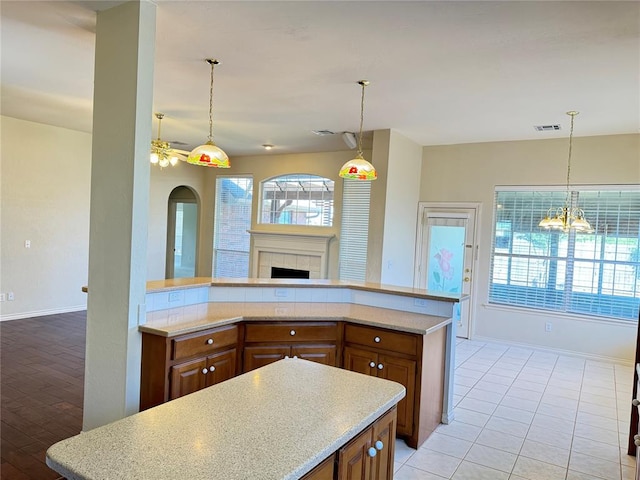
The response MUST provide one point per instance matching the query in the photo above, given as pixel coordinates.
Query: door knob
(467, 279)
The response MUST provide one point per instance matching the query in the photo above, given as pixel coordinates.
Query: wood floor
(42, 384)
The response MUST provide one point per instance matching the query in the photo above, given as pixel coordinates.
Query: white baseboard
(557, 351)
(42, 313)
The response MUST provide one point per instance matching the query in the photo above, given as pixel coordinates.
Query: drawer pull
(204, 371)
(380, 366)
(372, 364)
(376, 339)
(379, 445)
(372, 452)
(212, 368)
(210, 341)
(292, 333)
(635, 402)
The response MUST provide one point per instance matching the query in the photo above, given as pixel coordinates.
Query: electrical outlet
(281, 292)
(3, 297)
(10, 296)
(420, 302)
(175, 296)
(548, 326)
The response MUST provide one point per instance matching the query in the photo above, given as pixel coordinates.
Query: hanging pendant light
(209, 155)
(567, 217)
(161, 153)
(358, 168)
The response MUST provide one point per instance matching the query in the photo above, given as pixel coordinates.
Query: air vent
(546, 128)
(323, 132)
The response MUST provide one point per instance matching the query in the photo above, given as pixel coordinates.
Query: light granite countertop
(192, 318)
(276, 422)
(181, 283)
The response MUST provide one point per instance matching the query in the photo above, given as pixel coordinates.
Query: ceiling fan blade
(181, 152)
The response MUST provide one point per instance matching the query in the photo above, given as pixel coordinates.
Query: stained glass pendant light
(209, 154)
(567, 217)
(358, 168)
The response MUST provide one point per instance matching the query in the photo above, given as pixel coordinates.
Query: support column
(122, 111)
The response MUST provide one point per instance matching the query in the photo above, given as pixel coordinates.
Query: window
(354, 231)
(297, 199)
(583, 273)
(231, 222)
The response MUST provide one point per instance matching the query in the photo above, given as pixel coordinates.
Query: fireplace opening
(277, 272)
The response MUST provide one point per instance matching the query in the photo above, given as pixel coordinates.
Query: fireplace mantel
(301, 251)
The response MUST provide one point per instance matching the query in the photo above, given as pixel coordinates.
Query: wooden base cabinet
(369, 456)
(415, 361)
(173, 367)
(267, 342)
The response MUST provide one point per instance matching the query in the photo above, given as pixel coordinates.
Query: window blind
(354, 230)
(583, 273)
(232, 219)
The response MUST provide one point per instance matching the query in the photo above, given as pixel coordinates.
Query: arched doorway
(182, 233)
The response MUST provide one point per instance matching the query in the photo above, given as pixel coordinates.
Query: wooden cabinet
(408, 359)
(267, 342)
(370, 455)
(173, 367)
(324, 471)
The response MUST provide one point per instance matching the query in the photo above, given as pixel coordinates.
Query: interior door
(446, 251)
(182, 234)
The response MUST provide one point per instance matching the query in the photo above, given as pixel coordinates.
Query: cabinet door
(222, 366)
(325, 354)
(188, 377)
(354, 462)
(255, 357)
(402, 371)
(324, 471)
(384, 441)
(361, 361)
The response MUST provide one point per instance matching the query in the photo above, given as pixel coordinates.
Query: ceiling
(441, 72)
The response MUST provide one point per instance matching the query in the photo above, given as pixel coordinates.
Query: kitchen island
(277, 422)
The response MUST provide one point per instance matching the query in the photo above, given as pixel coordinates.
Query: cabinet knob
(379, 445)
(636, 438)
(292, 333)
(372, 364)
(376, 339)
(210, 341)
(372, 452)
(635, 402)
(286, 356)
(295, 356)
(380, 366)
(212, 368)
(636, 443)
(204, 371)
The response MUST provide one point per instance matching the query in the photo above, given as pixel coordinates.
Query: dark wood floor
(41, 385)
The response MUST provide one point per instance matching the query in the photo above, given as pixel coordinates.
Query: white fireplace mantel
(301, 251)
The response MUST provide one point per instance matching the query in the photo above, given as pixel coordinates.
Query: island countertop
(192, 318)
(276, 422)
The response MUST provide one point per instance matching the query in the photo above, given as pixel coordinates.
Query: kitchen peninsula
(202, 331)
(288, 420)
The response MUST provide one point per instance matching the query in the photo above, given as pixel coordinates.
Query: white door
(445, 254)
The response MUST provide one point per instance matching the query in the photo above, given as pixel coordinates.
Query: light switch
(27, 244)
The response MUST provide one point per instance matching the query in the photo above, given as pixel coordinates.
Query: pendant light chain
(363, 83)
(572, 114)
(211, 62)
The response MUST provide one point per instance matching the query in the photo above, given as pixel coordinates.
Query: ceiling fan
(161, 152)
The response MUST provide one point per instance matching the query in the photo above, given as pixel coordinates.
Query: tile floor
(525, 414)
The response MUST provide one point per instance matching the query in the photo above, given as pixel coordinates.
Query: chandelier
(208, 154)
(358, 168)
(161, 152)
(567, 217)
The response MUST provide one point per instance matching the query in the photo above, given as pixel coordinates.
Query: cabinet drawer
(291, 332)
(381, 339)
(203, 342)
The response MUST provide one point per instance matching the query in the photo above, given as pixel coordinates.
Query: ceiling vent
(323, 132)
(546, 128)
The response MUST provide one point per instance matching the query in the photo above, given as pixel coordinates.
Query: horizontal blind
(231, 224)
(354, 230)
(584, 273)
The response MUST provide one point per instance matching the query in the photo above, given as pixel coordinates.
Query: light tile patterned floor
(523, 414)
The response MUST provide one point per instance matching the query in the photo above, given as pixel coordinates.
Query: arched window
(297, 199)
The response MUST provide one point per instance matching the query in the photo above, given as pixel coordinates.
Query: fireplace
(291, 252)
(278, 272)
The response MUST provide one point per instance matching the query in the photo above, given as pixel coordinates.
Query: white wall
(469, 173)
(45, 199)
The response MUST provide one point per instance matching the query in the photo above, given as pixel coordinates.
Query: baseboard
(557, 351)
(42, 313)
